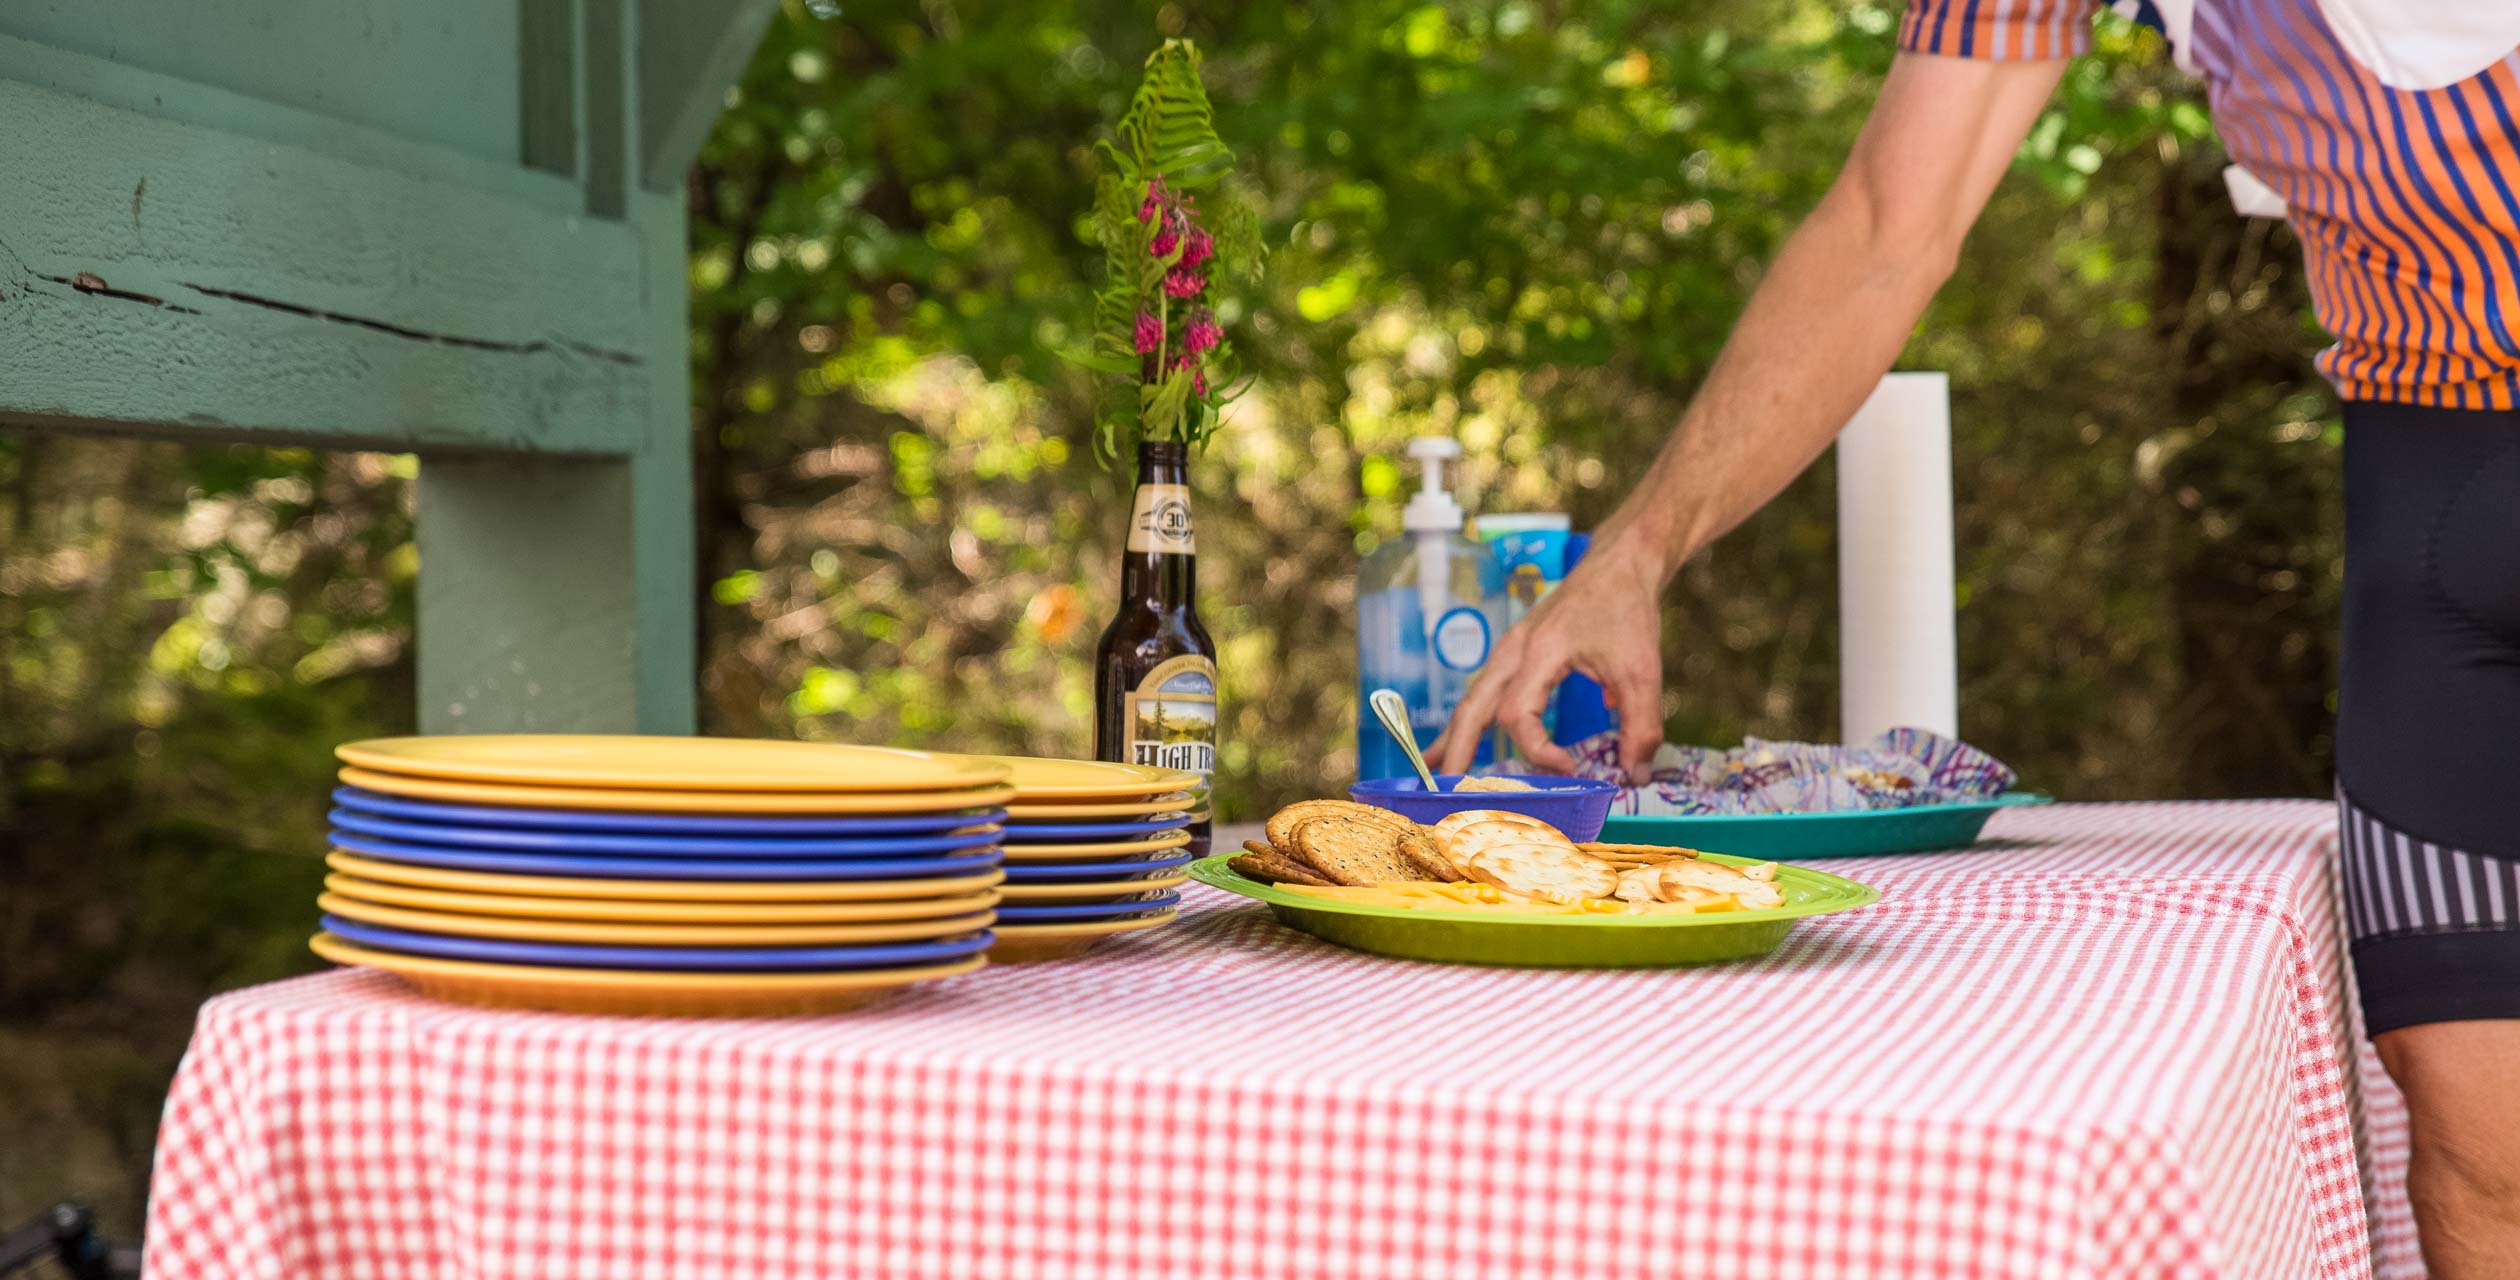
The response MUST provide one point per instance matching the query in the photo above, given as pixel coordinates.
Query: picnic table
(2110, 1041)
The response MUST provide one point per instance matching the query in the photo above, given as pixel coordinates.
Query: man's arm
(1821, 328)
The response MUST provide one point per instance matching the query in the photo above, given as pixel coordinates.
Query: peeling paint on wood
(324, 259)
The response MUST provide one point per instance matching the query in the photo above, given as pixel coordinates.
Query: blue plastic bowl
(1576, 806)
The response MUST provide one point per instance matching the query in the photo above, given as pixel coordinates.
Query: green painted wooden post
(445, 226)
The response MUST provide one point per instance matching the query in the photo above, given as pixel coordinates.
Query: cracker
(1419, 852)
(1672, 877)
(1465, 842)
(1452, 822)
(1353, 852)
(1636, 852)
(1282, 823)
(1268, 866)
(1549, 872)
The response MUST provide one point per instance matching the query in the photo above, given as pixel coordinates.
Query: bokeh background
(1523, 223)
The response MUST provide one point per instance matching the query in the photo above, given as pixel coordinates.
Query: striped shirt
(2386, 127)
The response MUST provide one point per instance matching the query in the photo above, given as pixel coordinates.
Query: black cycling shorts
(2428, 713)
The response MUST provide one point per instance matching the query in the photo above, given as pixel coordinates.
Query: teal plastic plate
(1863, 833)
(1553, 942)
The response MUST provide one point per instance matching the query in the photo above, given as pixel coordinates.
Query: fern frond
(1170, 128)
(1164, 147)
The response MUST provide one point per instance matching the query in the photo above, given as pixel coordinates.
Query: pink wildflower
(1202, 335)
(1198, 376)
(1154, 200)
(1183, 284)
(1150, 333)
(1200, 248)
(1165, 242)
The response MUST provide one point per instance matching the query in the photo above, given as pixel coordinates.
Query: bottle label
(1169, 720)
(1461, 638)
(1159, 520)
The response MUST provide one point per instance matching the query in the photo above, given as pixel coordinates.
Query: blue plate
(598, 842)
(1802, 837)
(1030, 872)
(561, 864)
(1093, 832)
(491, 815)
(891, 955)
(1047, 912)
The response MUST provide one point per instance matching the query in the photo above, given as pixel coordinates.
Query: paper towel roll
(1897, 647)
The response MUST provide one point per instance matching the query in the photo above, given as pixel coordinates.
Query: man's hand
(1605, 620)
(1820, 329)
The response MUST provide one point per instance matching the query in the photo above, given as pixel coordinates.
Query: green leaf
(1100, 362)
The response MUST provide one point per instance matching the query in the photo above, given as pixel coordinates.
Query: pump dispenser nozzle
(1433, 509)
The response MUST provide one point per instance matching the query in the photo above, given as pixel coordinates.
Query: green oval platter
(1552, 942)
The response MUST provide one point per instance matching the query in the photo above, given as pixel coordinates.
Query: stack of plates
(1093, 851)
(657, 875)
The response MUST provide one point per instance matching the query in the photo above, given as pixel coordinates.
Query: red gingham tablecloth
(2114, 1042)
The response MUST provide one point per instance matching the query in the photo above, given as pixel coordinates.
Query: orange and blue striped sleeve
(2003, 30)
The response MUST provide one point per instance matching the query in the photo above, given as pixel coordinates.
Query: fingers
(1459, 743)
(1529, 700)
(1637, 692)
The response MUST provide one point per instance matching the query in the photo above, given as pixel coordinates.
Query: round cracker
(1452, 822)
(1281, 825)
(1718, 878)
(1465, 842)
(1549, 872)
(1419, 852)
(1269, 866)
(1640, 884)
(1353, 852)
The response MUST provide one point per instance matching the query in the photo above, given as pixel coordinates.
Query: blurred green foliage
(1526, 224)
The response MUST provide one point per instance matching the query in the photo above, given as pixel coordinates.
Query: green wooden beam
(180, 279)
(166, 97)
(434, 71)
(547, 134)
(233, 259)
(558, 594)
(664, 548)
(689, 55)
(527, 618)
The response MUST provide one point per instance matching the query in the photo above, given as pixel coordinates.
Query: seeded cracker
(1419, 852)
(1269, 866)
(1282, 823)
(1353, 852)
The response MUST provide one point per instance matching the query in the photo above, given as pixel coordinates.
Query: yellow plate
(1039, 779)
(1078, 852)
(633, 912)
(1091, 888)
(1060, 812)
(635, 801)
(1025, 943)
(664, 890)
(668, 763)
(639, 992)
(648, 935)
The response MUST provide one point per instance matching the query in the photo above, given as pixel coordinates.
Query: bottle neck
(1153, 573)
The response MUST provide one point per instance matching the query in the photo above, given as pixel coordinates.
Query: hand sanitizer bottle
(1429, 608)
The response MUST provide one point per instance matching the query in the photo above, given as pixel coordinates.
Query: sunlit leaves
(1523, 226)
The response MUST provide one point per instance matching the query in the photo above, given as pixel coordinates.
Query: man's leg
(2462, 1086)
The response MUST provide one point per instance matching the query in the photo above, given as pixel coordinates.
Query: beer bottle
(1155, 670)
